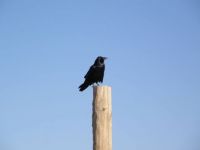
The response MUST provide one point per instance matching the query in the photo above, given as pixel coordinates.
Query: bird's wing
(102, 74)
(90, 71)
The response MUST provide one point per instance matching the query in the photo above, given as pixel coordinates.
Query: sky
(153, 67)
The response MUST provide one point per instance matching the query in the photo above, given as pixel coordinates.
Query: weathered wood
(102, 118)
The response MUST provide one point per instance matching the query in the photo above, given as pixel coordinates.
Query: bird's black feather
(95, 74)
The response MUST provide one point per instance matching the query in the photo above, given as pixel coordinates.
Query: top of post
(101, 87)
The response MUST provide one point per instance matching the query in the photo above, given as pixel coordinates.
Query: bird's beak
(105, 58)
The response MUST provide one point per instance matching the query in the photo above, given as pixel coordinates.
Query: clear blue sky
(46, 47)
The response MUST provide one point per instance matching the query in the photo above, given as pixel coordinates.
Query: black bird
(95, 73)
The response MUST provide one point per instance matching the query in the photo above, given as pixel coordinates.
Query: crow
(95, 73)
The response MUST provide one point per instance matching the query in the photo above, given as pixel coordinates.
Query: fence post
(102, 118)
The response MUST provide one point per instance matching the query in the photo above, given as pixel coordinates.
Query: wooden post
(102, 118)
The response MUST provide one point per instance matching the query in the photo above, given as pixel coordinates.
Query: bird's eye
(101, 60)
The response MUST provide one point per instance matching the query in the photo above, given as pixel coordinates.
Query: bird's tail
(83, 86)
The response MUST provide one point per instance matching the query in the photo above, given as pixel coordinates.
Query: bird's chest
(97, 74)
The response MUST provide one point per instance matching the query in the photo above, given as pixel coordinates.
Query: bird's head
(100, 60)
